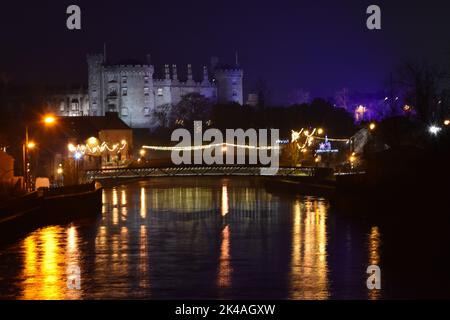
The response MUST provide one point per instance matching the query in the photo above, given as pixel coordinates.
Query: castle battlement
(131, 88)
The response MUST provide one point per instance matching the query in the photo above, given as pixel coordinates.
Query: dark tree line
(194, 107)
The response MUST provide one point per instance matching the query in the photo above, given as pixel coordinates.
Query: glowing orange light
(49, 120)
(372, 126)
(446, 122)
(31, 145)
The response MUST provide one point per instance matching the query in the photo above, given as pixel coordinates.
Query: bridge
(186, 171)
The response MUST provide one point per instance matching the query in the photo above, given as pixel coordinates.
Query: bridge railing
(144, 172)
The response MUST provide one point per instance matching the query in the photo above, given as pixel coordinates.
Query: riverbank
(22, 215)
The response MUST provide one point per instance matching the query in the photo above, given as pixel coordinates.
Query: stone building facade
(68, 101)
(131, 90)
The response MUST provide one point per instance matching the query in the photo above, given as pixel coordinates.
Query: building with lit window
(132, 89)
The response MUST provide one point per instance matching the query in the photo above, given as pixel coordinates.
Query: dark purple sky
(320, 46)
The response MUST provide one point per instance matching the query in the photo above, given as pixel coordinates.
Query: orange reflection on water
(143, 258)
(374, 256)
(115, 197)
(309, 269)
(143, 210)
(225, 269)
(224, 207)
(44, 273)
(123, 200)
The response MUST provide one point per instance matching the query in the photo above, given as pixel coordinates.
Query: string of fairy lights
(95, 148)
(309, 137)
(209, 146)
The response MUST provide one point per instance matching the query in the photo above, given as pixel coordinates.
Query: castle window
(124, 91)
(146, 79)
(124, 112)
(75, 104)
(160, 92)
(112, 91)
(61, 106)
(124, 79)
(146, 91)
(234, 94)
(147, 111)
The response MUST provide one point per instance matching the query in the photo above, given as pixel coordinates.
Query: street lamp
(28, 145)
(434, 130)
(372, 126)
(49, 120)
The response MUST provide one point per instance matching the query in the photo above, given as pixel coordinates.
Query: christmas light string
(86, 149)
(208, 146)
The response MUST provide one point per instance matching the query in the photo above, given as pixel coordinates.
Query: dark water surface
(198, 238)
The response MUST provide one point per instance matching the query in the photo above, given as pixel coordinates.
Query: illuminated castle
(130, 88)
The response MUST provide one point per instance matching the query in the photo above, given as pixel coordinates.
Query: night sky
(320, 46)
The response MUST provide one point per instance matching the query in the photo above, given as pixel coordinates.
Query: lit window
(74, 105)
(61, 106)
(124, 112)
(160, 92)
(124, 91)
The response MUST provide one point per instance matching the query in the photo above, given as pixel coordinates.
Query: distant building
(92, 142)
(6, 168)
(252, 99)
(68, 101)
(131, 89)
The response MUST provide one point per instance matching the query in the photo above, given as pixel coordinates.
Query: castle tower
(229, 84)
(174, 73)
(205, 76)
(167, 72)
(190, 78)
(95, 65)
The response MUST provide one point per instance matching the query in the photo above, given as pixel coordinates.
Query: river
(211, 238)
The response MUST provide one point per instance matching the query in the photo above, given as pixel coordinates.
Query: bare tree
(161, 115)
(192, 107)
(342, 99)
(421, 84)
(300, 96)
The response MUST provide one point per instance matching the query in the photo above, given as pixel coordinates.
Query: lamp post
(24, 159)
(48, 121)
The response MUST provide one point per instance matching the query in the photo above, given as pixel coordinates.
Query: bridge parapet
(144, 172)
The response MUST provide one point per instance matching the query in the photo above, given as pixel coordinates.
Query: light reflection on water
(194, 238)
